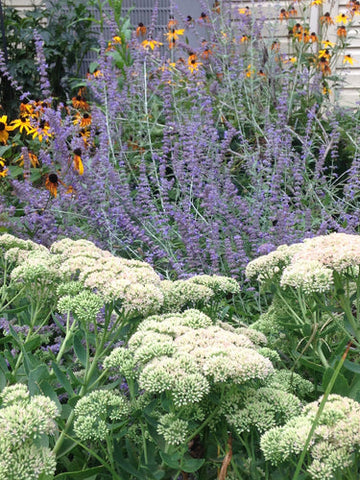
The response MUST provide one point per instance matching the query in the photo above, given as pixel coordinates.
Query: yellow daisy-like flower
(316, 2)
(150, 43)
(174, 34)
(324, 54)
(3, 169)
(249, 71)
(22, 123)
(244, 11)
(348, 59)
(41, 131)
(328, 44)
(4, 129)
(78, 164)
(84, 120)
(33, 160)
(193, 64)
(342, 18)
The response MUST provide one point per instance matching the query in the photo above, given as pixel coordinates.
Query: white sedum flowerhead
(268, 266)
(336, 437)
(173, 429)
(25, 423)
(184, 354)
(95, 412)
(310, 277)
(310, 265)
(135, 284)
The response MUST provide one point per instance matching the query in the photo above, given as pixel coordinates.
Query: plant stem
(319, 412)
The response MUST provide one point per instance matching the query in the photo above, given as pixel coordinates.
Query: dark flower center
(77, 152)
(53, 178)
(2, 126)
(86, 115)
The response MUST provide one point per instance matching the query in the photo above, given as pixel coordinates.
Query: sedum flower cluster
(25, 423)
(261, 408)
(32, 267)
(75, 270)
(132, 282)
(200, 288)
(309, 266)
(185, 355)
(336, 437)
(95, 412)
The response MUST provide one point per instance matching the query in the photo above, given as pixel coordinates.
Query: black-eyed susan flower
(78, 164)
(249, 72)
(206, 53)
(22, 123)
(141, 30)
(173, 35)
(297, 29)
(292, 11)
(193, 63)
(314, 38)
(3, 169)
(244, 39)
(284, 14)
(354, 7)
(341, 32)
(324, 66)
(26, 108)
(189, 20)
(41, 131)
(348, 59)
(4, 129)
(172, 23)
(324, 53)
(326, 19)
(342, 18)
(52, 184)
(80, 102)
(244, 11)
(275, 46)
(82, 120)
(216, 7)
(203, 17)
(150, 43)
(33, 160)
(316, 2)
(328, 44)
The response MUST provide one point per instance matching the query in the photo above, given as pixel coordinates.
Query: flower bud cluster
(173, 429)
(261, 409)
(336, 437)
(85, 306)
(25, 423)
(200, 288)
(133, 283)
(185, 355)
(95, 412)
(309, 266)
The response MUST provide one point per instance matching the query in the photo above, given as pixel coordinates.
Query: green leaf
(352, 367)
(48, 391)
(35, 377)
(81, 474)
(190, 464)
(60, 375)
(3, 380)
(171, 460)
(341, 385)
(79, 349)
